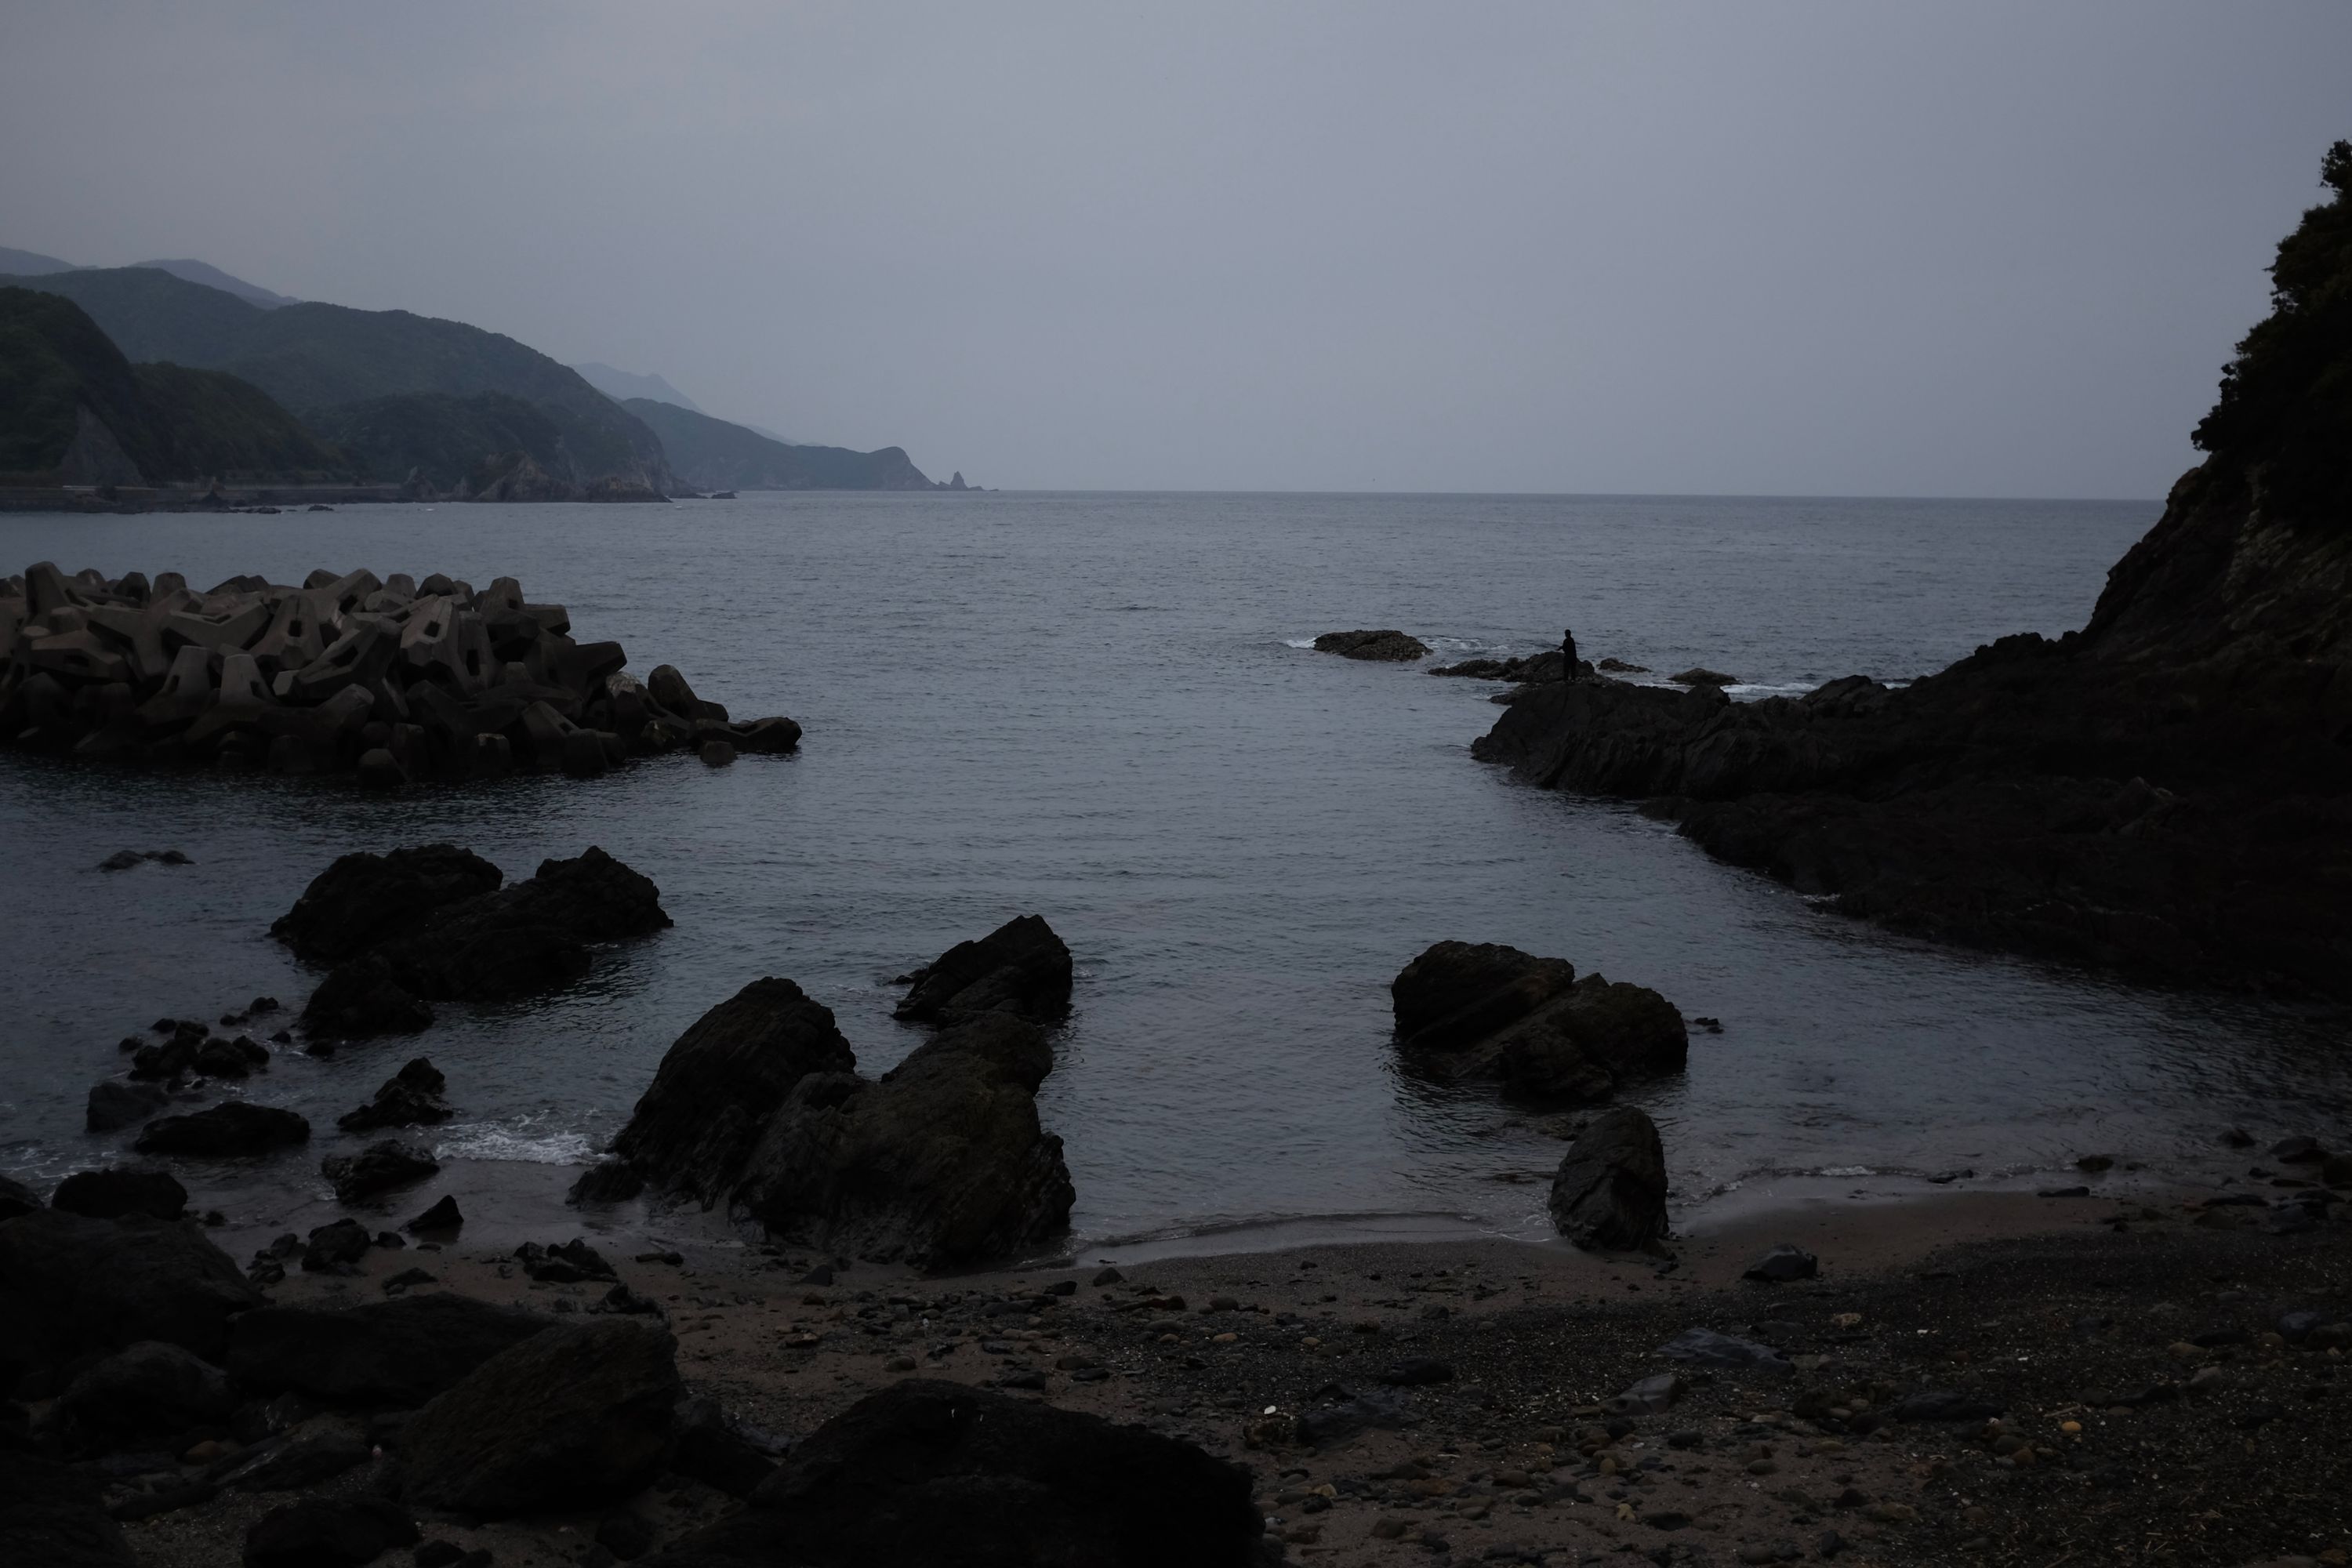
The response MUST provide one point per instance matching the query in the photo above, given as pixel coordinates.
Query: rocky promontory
(1487, 1011)
(390, 678)
(2167, 791)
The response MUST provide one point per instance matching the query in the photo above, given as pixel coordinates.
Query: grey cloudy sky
(1975, 249)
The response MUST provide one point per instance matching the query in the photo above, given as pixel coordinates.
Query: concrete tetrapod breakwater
(388, 679)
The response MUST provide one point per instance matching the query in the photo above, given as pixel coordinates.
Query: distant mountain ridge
(315, 357)
(621, 385)
(713, 455)
(73, 410)
(32, 263)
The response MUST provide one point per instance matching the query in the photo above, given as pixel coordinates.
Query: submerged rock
(1610, 1193)
(1389, 646)
(1467, 1011)
(926, 1473)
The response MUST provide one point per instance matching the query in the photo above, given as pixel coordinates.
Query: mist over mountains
(441, 407)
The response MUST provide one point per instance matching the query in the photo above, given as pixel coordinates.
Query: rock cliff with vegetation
(713, 455)
(2168, 791)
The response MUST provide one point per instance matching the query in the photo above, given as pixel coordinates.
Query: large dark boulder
(323, 1532)
(70, 1285)
(573, 1416)
(234, 1129)
(17, 1198)
(941, 1162)
(114, 1104)
(531, 936)
(1021, 968)
(399, 1352)
(52, 1515)
(149, 1392)
(1610, 1193)
(717, 1087)
(1386, 646)
(119, 1190)
(365, 899)
(1467, 1011)
(937, 1475)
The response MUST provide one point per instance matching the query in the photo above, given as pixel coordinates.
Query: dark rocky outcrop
(377, 1169)
(941, 1161)
(1467, 1011)
(149, 1392)
(234, 1129)
(119, 1190)
(69, 1285)
(410, 1098)
(52, 1514)
(17, 1198)
(399, 1352)
(2167, 791)
(328, 1533)
(508, 942)
(930, 1475)
(1022, 967)
(1520, 671)
(1610, 1193)
(364, 900)
(718, 1087)
(573, 1416)
(387, 678)
(1388, 647)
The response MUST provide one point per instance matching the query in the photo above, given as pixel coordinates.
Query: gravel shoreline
(2150, 1412)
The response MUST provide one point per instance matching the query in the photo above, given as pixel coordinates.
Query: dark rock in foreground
(70, 1285)
(475, 947)
(17, 1198)
(149, 1392)
(941, 1161)
(1610, 1193)
(1467, 1011)
(234, 1129)
(573, 1416)
(321, 1533)
(377, 1170)
(930, 1475)
(52, 1515)
(1022, 967)
(119, 1190)
(399, 1352)
(1389, 646)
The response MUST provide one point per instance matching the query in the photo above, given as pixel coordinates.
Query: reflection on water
(1089, 707)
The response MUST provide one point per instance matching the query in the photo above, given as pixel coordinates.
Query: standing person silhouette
(1568, 655)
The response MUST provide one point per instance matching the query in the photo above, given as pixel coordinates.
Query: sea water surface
(1098, 708)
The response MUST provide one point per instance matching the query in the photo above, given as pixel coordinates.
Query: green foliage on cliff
(445, 438)
(713, 455)
(313, 357)
(172, 422)
(2286, 400)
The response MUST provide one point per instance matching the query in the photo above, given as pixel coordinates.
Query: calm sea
(1097, 708)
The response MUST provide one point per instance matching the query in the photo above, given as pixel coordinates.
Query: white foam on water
(518, 1139)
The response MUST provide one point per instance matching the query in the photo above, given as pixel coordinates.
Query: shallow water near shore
(1091, 706)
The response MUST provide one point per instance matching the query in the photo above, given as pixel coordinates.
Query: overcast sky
(1854, 248)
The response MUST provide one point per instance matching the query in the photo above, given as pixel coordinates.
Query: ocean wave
(519, 1141)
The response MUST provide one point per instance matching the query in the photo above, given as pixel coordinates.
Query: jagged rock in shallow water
(720, 1082)
(929, 1474)
(377, 1169)
(1610, 1192)
(1021, 968)
(232, 1129)
(1467, 1011)
(364, 900)
(410, 1098)
(532, 935)
(1389, 646)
